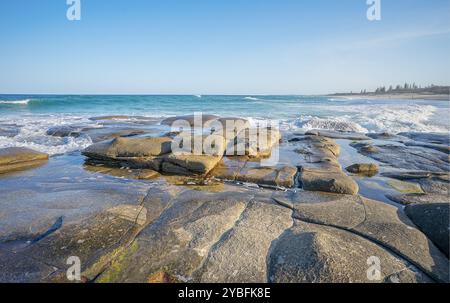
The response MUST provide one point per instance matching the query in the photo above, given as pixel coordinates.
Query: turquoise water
(32, 115)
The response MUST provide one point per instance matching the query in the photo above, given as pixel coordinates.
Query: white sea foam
(338, 124)
(371, 118)
(251, 98)
(32, 134)
(18, 102)
(392, 118)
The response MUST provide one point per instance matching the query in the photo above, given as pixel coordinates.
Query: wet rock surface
(407, 157)
(20, 158)
(138, 212)
(433, 138)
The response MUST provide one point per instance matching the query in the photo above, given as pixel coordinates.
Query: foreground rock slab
(20, 158)
(377, 222)
(433, 220)
(407, 157)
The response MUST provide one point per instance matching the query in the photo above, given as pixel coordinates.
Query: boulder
(129, 148)
(433, 220)
(364, 168)
(365, 148)
(332, 182)
(20, 158)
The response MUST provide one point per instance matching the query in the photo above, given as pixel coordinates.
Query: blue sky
(221, 46)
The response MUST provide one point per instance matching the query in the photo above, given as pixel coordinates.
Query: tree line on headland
(405, 89)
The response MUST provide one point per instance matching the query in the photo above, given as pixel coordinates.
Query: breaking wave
(18, 102)
(336, 124)
(370, 118)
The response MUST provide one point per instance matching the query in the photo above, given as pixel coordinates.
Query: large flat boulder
(138, 147)
(139, 153)
(20, 158)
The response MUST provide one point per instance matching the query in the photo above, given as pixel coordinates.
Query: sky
(221, 46)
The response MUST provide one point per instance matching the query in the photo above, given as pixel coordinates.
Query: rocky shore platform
(304, 207)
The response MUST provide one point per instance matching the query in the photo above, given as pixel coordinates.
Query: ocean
(24, 119)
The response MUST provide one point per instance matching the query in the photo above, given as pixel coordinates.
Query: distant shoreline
(400, 96)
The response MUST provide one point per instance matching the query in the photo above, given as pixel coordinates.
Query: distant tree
(390, 88)
(398, 87)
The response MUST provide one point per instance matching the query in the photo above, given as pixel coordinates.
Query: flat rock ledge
(241, 235)
(20, 158)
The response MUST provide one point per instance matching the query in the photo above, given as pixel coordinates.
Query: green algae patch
(405, 187)
(111, 265)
